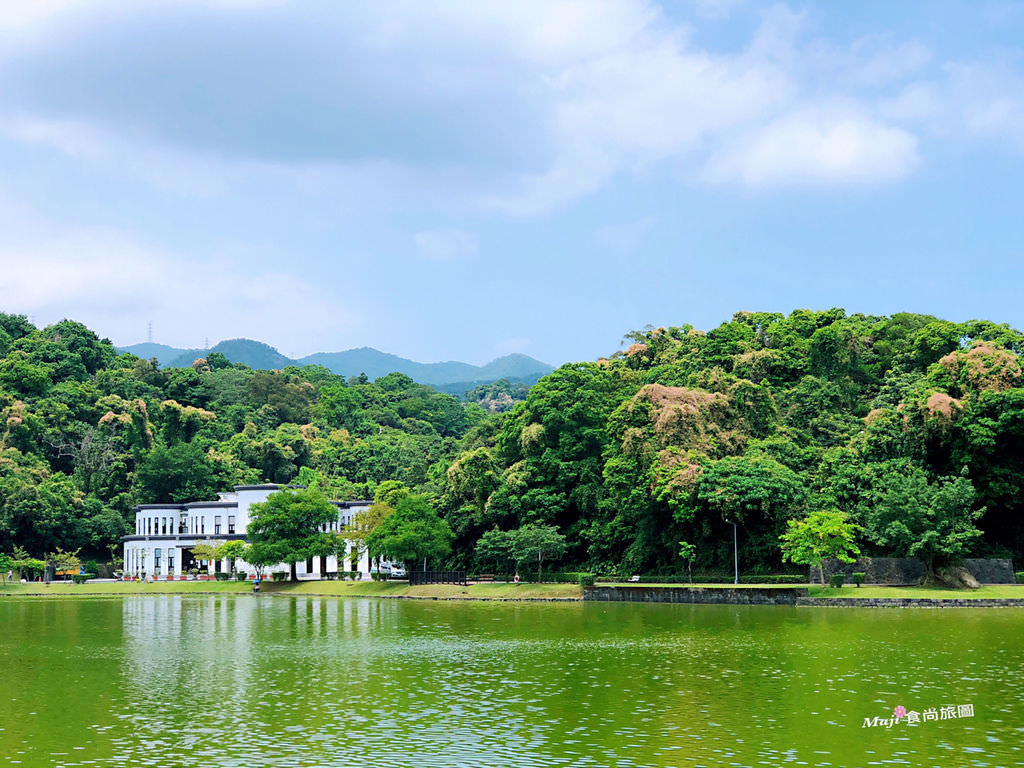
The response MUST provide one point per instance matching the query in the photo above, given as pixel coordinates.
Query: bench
(485, 577)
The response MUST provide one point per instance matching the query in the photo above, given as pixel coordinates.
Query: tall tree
(291, 522)
(412, 534)
(822, 534)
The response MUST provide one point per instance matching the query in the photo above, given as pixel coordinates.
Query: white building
(165, 534)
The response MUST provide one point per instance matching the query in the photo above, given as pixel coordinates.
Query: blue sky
(463, 180)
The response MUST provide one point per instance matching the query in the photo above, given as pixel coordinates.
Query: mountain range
(450, 376)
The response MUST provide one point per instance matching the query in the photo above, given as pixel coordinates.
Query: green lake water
(268, 681)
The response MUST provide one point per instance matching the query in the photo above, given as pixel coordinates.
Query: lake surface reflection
(266, 681)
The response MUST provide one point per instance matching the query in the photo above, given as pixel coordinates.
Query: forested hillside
(912, 426)
(87, 433)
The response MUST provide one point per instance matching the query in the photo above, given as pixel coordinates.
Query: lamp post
(735, 554)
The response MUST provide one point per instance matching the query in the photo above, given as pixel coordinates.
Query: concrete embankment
(697, 595)
(911, 602)
(797, 596)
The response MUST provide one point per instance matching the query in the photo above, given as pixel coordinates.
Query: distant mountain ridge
(448, 375)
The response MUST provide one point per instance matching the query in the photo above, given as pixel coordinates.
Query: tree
(743, 486)
(932, 521)
(496, 546)
(390, 492)
(825, 533)
(6, 564)
(364, 522)
(263, 554)
(232, 551)
(412, 533)
(688, 552)
(179, 473)
(291, 522)
(206, 550)
(535, 542)
(27, 565)
(64, 561)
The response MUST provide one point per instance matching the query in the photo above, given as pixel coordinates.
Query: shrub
(586, 579)
(222, 576)
(1020, 577)
(79, 578)
(773, 578)
(241, 576)
(836, 580)
(858, 578)
(280, 575)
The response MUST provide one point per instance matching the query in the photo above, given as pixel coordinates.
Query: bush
(241, 576)
(586, 579)
(858, 578)
(80, 578)
(836, 580)
(280, 575)
(773, 578)
(222, 576)
(1020, 577)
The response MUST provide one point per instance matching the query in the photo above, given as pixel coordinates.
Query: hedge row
(707, 578)
(774, 578)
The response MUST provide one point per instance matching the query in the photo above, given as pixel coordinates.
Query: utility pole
(735, 554)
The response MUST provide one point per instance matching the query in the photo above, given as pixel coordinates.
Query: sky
(463, 180)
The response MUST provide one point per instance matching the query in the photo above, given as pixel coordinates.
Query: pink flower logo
(899, 712)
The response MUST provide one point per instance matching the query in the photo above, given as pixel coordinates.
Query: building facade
(166, 533)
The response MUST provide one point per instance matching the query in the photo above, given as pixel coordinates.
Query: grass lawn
(338, 588)
(936, 593)
(401, 588)
(123, 588)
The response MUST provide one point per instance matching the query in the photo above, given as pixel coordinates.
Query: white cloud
(966, 102)
(445, 244)
(816, 147)
(592, 90)
(112, 281)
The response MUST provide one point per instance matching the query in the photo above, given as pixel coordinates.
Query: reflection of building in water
(165, 534)
(231, 633)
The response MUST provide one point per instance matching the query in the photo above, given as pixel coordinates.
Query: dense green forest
(912, 426)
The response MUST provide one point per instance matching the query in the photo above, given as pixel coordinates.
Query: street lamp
(735, 554)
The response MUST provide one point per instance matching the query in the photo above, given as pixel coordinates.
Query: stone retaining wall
(991, 570)
(902, 571)
(699, 595)
(907, 602)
